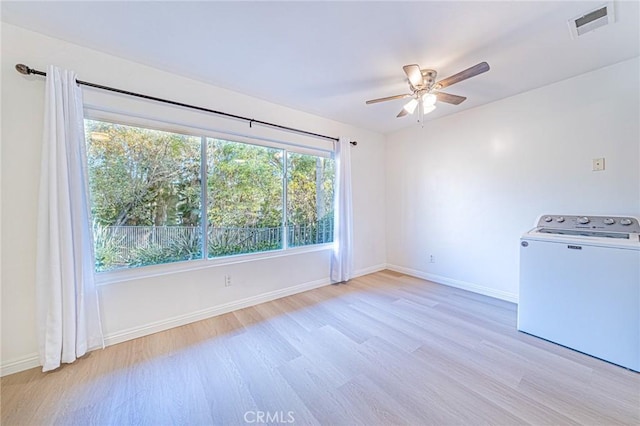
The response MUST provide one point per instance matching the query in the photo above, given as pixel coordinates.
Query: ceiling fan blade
(414, 75)
(463, 75)
(449, 98)
(388, 98)
(402, 113)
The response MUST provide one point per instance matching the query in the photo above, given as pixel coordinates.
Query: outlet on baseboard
(227, 280)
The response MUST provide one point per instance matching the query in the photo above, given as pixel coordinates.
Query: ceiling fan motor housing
(429, 78)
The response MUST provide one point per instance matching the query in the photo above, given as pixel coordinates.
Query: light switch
(598, 164)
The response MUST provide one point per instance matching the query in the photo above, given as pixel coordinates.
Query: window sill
(123, 275)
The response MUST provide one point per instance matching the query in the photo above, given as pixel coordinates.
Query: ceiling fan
(425, 90)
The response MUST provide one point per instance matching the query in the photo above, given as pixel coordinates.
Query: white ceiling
(327, 58)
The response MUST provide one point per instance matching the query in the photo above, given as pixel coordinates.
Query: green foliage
(228, 241)
(244, 186)
(309, 188)
(142, 177)
(217, 250)
(179, 248)
(108, 248)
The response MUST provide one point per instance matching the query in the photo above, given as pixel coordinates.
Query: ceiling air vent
(592, 20)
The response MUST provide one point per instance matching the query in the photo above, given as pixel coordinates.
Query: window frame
(161, 269)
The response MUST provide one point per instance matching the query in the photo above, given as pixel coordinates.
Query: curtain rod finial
(354, 143)
(23, 69)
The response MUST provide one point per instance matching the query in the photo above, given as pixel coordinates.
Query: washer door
(582, 296)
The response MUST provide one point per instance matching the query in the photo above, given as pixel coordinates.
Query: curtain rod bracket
(354, 143)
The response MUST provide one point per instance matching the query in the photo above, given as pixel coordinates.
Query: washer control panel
(626, 224)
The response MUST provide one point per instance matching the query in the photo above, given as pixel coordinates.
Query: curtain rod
(23, 69)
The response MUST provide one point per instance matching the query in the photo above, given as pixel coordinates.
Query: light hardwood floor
(384, 349)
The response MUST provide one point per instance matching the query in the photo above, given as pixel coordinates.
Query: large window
(154, 195)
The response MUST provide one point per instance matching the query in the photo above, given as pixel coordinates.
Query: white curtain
(342, 257)
(68, 316)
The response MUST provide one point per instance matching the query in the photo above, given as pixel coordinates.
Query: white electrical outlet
(432, 259)
(227, 280)
(598, 164)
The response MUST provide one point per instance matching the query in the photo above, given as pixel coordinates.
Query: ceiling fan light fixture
(411, 106)
(428, 108)
(429, 99)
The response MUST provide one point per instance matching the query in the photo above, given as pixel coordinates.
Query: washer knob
(583, 220)
(548, 219)
(560, 219)
(609, 221)
(625, 222)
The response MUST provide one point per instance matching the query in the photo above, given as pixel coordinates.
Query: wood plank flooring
(384, 349)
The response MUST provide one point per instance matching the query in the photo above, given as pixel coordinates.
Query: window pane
(309, 199)
(244, 197)
(145, 195)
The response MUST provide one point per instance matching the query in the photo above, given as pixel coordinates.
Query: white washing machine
(580, 285)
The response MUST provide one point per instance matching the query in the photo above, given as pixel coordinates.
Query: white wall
(466, 187)
(140, 306)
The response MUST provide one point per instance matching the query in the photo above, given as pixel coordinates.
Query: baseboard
(136, 332)
(369, 270)
(31, 361)
(475, 288)
(155, 327)
(20, 364)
